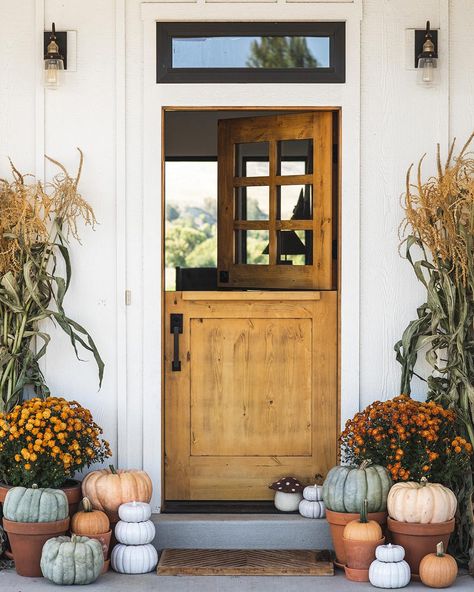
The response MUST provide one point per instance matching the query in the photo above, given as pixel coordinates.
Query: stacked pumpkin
(312, 505)
(389, 570)
(135, 531)
(32, 516)
(420, 516)
(344, 492)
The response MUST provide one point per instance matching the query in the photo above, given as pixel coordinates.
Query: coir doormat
(223, 562)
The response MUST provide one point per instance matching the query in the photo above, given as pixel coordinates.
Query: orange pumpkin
(108, 488)
(438, 570)
(363, 529)
(89, 521)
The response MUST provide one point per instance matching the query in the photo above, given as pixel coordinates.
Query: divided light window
(250, 52)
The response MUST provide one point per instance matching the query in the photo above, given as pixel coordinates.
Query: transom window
(250, 52)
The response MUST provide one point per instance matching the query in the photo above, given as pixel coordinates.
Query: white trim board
(156, 96)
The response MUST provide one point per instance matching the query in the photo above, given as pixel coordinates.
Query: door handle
(176, 327)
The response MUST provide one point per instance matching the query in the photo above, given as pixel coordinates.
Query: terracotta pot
(338, 520)
(106, 567)
(72, 489)
(356, 575)
(104, 540)
(360, 554)
(27, 540)
(419, 539)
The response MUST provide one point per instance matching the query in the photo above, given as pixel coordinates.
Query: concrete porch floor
(11, 582)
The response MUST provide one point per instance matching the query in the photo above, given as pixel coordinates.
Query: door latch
(176, 327)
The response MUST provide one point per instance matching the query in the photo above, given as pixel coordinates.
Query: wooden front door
(251, 375)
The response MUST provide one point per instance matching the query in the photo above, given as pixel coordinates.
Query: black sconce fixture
(426, 55)
(54, 61)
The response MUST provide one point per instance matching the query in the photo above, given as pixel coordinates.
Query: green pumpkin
(76, 560)
(35, 505)
(345, 488)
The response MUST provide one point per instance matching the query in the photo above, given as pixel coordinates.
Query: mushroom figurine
(288, 494)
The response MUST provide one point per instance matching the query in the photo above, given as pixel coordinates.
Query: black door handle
(176, 327)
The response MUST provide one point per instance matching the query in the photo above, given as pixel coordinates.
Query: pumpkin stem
(112, 469)
(423, 481)
(34, 486)
(74, 538)
(318, 479)
(86, 505)
(365, 463)
(440, 549)
(363, 512)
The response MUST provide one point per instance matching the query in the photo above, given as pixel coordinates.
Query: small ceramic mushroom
(288, 494)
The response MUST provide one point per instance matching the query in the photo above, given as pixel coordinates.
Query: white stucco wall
(100, 108)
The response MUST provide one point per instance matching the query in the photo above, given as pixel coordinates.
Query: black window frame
(166, 31)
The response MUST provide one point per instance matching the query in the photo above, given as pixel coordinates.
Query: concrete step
(240, 531)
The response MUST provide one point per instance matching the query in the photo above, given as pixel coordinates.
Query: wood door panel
(246, 375)
(236, 351)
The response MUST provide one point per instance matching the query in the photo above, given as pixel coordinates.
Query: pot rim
(421, 529)
(343, 518)
(34, 528)
(98, 534)
(380, 541)
(70, 484)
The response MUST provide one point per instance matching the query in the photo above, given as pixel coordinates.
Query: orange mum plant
(45, 441)
(412, 439)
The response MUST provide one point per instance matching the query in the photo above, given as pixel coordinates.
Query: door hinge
(128, 297)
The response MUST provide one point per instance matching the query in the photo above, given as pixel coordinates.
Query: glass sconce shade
(53, 72)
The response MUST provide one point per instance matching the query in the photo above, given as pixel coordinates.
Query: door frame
(157, 98)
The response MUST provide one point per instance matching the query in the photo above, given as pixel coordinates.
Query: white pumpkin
(287, 502)
(135, 512)
(389, 575)
(135, 533)
(312, 509)
(390, 553)
(134, 559)
(313, 493)
(425, 503)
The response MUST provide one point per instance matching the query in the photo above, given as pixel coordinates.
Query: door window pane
(295, 157)
(294, 202)
(251, 247)
(251, 159)
(294, 247)
(236, 51)
(252, 203)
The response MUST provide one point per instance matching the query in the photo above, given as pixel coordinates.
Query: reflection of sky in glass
(231, 52)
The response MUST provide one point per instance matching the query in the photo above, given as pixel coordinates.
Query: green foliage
(281, 52)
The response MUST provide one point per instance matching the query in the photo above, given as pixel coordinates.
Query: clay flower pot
(337, 522)
(104, 540)
(27, 540)
(359, 556)
(72, 489)
(419, 540)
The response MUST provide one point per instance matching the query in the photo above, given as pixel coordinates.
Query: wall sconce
(53, 61)
(427, 58)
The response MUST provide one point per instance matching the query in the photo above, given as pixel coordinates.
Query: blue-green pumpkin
(346, 488)
(35, 504)
(77, 560)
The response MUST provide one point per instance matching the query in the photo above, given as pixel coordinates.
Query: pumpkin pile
(389, 570)
(135, 531)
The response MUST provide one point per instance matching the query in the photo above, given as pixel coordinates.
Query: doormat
(223, 562)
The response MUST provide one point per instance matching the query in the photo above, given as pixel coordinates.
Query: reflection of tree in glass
(281, 52)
